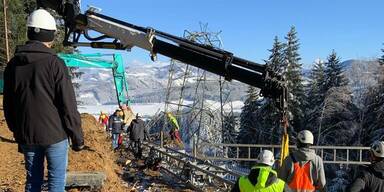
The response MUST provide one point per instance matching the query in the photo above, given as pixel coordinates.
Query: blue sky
(354, 28)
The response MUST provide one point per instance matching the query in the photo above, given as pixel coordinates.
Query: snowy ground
(143, 109)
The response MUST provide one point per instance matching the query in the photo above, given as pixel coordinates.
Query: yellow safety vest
(246, 186)
(173, 121)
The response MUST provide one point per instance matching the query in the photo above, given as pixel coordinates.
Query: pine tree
(17, 12)
(276, 59)
(381, 59)
(229, 133)
(315, 96)
(259, 120)
(373, 123)
(16, 20)
(334, 72)
(268, 116)
(340, 180)
(317, 83)
(246, 123)
(293, 77)
(338, 122)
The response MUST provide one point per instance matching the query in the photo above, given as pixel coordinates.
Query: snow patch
(87, 95)
(144, 109)
(104, 76)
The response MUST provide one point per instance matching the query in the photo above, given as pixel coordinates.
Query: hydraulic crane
(124, 36)
(93, 61)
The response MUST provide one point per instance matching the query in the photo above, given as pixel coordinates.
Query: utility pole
(6, 30)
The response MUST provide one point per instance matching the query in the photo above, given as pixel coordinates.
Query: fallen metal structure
(198, 174)
(217, 171)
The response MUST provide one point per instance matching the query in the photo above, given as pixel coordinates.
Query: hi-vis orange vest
(301, 180)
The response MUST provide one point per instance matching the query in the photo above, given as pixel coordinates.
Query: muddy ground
(99, 157)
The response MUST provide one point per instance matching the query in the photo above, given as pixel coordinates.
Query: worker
(103, 120)
(371, 177)
(137, 134)
(40, 105)
(262, 176)
(174, 132)
(303, 170)
(128, 114)
(115, 125)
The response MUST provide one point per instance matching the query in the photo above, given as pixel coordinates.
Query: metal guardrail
(354, 155)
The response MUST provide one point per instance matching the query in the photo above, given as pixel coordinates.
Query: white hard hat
(305, 137)
(377, 148)
(266, 157)
(41, 19)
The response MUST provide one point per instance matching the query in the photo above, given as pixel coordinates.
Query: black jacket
(39, 100)
(115, 123)
(370, 178)
(137, 130)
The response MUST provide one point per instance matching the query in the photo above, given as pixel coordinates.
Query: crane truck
(121, 35)
(94, 61)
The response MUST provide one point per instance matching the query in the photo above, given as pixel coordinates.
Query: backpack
(301, 180)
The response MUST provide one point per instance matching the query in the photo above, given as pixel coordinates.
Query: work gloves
(77, 146)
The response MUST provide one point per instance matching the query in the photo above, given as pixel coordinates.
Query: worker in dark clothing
(137, 134)
(115, 125)
(262, 177)
(371, 178)
(40, 105)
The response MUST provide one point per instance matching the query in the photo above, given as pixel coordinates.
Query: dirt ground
(121, 177)
(100, 157)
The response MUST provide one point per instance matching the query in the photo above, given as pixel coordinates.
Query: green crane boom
(94, 61)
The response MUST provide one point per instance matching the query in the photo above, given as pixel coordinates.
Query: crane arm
(92, 61)
(125, 35)
(86, 61)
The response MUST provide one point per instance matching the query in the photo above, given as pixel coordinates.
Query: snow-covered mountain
(148, 83)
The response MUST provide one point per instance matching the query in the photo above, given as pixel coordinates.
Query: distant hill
(147, 83)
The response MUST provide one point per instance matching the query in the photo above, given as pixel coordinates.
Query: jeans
(115, 140)
(57, 160)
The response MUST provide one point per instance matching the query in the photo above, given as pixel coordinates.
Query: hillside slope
(100, 157)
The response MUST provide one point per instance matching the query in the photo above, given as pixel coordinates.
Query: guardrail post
(347, 155)
(194, 148)
(361, 155)
(334, 154)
